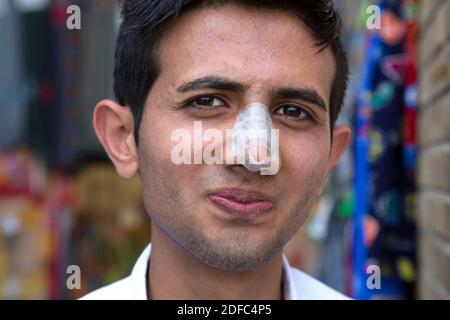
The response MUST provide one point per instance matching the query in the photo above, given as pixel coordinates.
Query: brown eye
(207, 103)
(293, 111)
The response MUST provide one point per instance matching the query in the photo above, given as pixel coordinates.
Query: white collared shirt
(297, 284)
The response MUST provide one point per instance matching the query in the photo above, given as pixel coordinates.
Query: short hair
(136, 65)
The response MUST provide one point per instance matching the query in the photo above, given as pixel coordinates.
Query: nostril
(258, 153)
(242, 170)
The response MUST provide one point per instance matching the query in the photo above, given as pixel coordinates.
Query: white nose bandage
(254, 141)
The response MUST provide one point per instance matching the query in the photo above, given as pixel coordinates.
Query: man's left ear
(340, 142)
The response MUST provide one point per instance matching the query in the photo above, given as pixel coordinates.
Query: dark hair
(144, 21)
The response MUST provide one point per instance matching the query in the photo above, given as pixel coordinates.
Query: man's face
(272, 55)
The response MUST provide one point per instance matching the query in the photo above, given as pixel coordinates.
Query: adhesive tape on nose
(253, 141)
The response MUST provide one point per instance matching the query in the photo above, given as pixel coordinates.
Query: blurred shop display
(24, 229)
(385, 156)
(61, 202)
(52, 76)
(111, 228)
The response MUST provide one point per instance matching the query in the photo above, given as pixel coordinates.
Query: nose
(252, 141)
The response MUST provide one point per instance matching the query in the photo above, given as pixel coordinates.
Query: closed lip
(240, 195)
(240, 202)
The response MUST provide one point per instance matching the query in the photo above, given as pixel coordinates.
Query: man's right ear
(114, 126)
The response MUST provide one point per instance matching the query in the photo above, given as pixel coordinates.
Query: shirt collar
(139, 277)
(289, 292)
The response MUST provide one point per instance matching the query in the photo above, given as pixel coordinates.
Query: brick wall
(434, 150)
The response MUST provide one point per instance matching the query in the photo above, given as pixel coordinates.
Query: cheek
(304, 158)
(156, 147)
(162, 181)
(159, 145)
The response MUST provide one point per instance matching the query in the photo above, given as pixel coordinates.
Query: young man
(218, 230)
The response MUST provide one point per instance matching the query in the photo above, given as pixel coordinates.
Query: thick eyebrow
(221, 83)
(212, 82)
(305, 94)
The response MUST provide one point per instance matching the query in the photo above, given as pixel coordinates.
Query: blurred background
(386, 205)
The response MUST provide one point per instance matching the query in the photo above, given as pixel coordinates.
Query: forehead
(259, 47)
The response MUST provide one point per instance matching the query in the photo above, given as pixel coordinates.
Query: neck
(175, 274)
